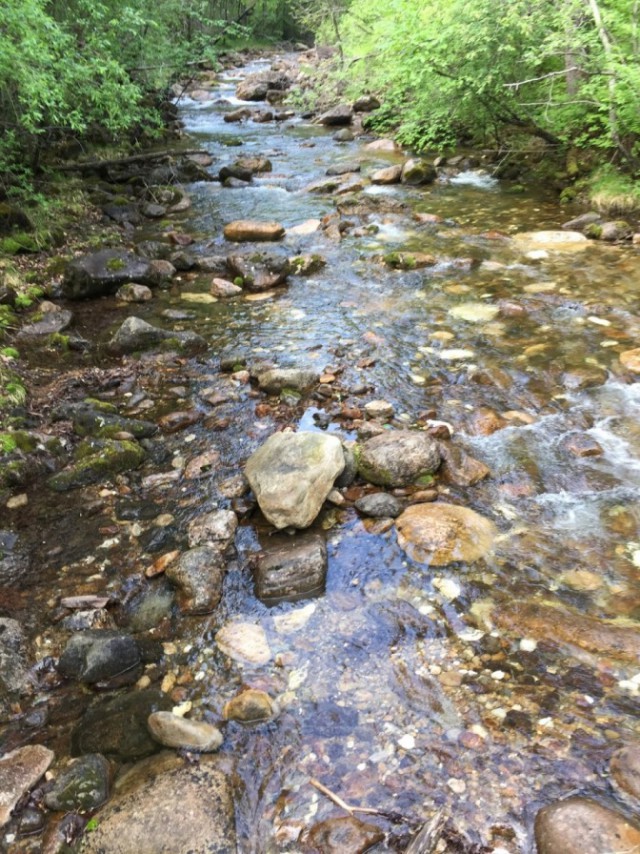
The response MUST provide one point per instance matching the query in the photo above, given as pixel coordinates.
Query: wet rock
(459, 468)
(579, 379)
(92, 418)
(136, 334)
(380, 410)
(98, 656)
(398, 458)
(217, 529)
(630, 360)
(290, 569)
(167, 807)
(97, 460)
(547, 622)
(579, 223)
(339, 115)
(389, 175)
(53, 323)
(199, 575)
(249, 707)
(117, 726)
(259, 271)
(13, 658)
(103, 272)
(134, 293)
(350, 470)
(615, 231)
(20, 770)
(84, 784)
(292, 474)
(183, 261)
(174, 422)
(440, 534)
(151, 607)
(380, 504)
(153, 211)
(244, 642)
(343, 168)
(550, 241)
(154, 249)
(346, 835)
(245, 168)
(409, 260)
(625, 769)
(382, 145)
(366, 104)
(173, 731)
(246, 230)
(582, 445)
(307, 265)
(238, 115)
(224, 289)
(344, 135)
(212, 264)
(417, 172)
(485, 421)
(277, 379)
(583, 826)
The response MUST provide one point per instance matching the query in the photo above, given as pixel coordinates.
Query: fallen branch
(394, 817)
(88, 165)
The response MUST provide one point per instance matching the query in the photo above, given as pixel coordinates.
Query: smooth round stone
(379, 505)
(174, 731)
(439, 534)
(556, 241)
(630, 360)
(244, 642)
(250, 706)
(625, 769)
(379, 409)
(583, 826)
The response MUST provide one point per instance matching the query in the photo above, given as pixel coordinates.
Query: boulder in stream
(290, 569)
(337, 116)
(388, 175)
(259, 271)
(199, 575)
(416, 172)
(135, 334)
(398, 457)
(292, 474)
(102, 273)
(440, 534)
(84, 784)
(174, 731)
(583, 826)
(275, 380)
(248, 231)
(97, 460)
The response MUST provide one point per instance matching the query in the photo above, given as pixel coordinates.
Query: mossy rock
(593, 231)
(97, 461)
(12, 218)
(18, 243)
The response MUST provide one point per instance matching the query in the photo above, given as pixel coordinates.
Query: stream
(486, 690)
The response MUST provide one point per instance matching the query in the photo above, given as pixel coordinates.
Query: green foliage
(613, 193)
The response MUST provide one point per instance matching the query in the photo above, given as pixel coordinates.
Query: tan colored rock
(583, 826)
(244, 642)
(388, 175)
(251, 706)
(344, 835)
(382, 145)
(485, 421)
(625, 769)
(173, 731)
(459, 468)
(223, 289)
(439, 534)
(630, 360)
(547, 622)
(164, 806)
(246, 230)
(20, 770)
(555, 241)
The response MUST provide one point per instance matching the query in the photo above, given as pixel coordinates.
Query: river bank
(486, 685)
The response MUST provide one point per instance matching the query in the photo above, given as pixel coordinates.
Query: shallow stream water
(398, 689)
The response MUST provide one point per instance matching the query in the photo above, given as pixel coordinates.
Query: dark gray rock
(136, 334)
(13, 658)
(260, 270)
(398, 457)
(103, 272)
(291, 568)
(579, 223)
(379, 505)
(154, 250)
(98, 656)
(198, 575)
(52, 323)
(97, 460)
(343, 168)
(366, 104)
(84, 784)
(117, 726)
(340, 115)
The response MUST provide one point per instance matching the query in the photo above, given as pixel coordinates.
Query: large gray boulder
(292, 474)
(398, 458)
(168, 807)
(103, 272)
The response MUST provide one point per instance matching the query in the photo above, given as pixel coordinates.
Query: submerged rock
(440, 534)
(625, 769)
(134, 293)
(292, 474)
(344, 835)
(173, 731)
(276, 380)
(83, 785)
(259, 271)
(554, 241)
(244, 642)
(459, 468)
(93, 418)
(249, 707)
(103, 272)
(199, 575)
(224, 289)
(583, 826)
(380, 504)
(136, 334)
(20, 770)
(246, 231)
(97, 460)
(290, 569)
(216, 529)
(167, 807)
(99, 655)
(398, 458)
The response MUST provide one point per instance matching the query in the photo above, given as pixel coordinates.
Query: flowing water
(401, 688)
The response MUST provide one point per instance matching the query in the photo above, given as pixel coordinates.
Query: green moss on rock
(97, 461)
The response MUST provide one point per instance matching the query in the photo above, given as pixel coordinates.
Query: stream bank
(490, 686)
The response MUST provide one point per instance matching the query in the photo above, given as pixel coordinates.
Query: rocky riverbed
(322, 520)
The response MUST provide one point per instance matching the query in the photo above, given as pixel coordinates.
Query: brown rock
(583, 826)
(542, 621)
(439, 534)
(250, 706)
(20, 770)
(486, 421)
(625, 769)
(382, 145)
(460, 469)
(630, 360)
(291, 569)
(246, 230)
(389, 175)
(582, 445)
(176, 421)
(346, 835)
(173, 731)
(579, 379)
(222, 288)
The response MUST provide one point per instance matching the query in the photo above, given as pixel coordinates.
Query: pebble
(250, 706)
(407, 742)
(17, 501)
(458, 787)
(379, 410)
